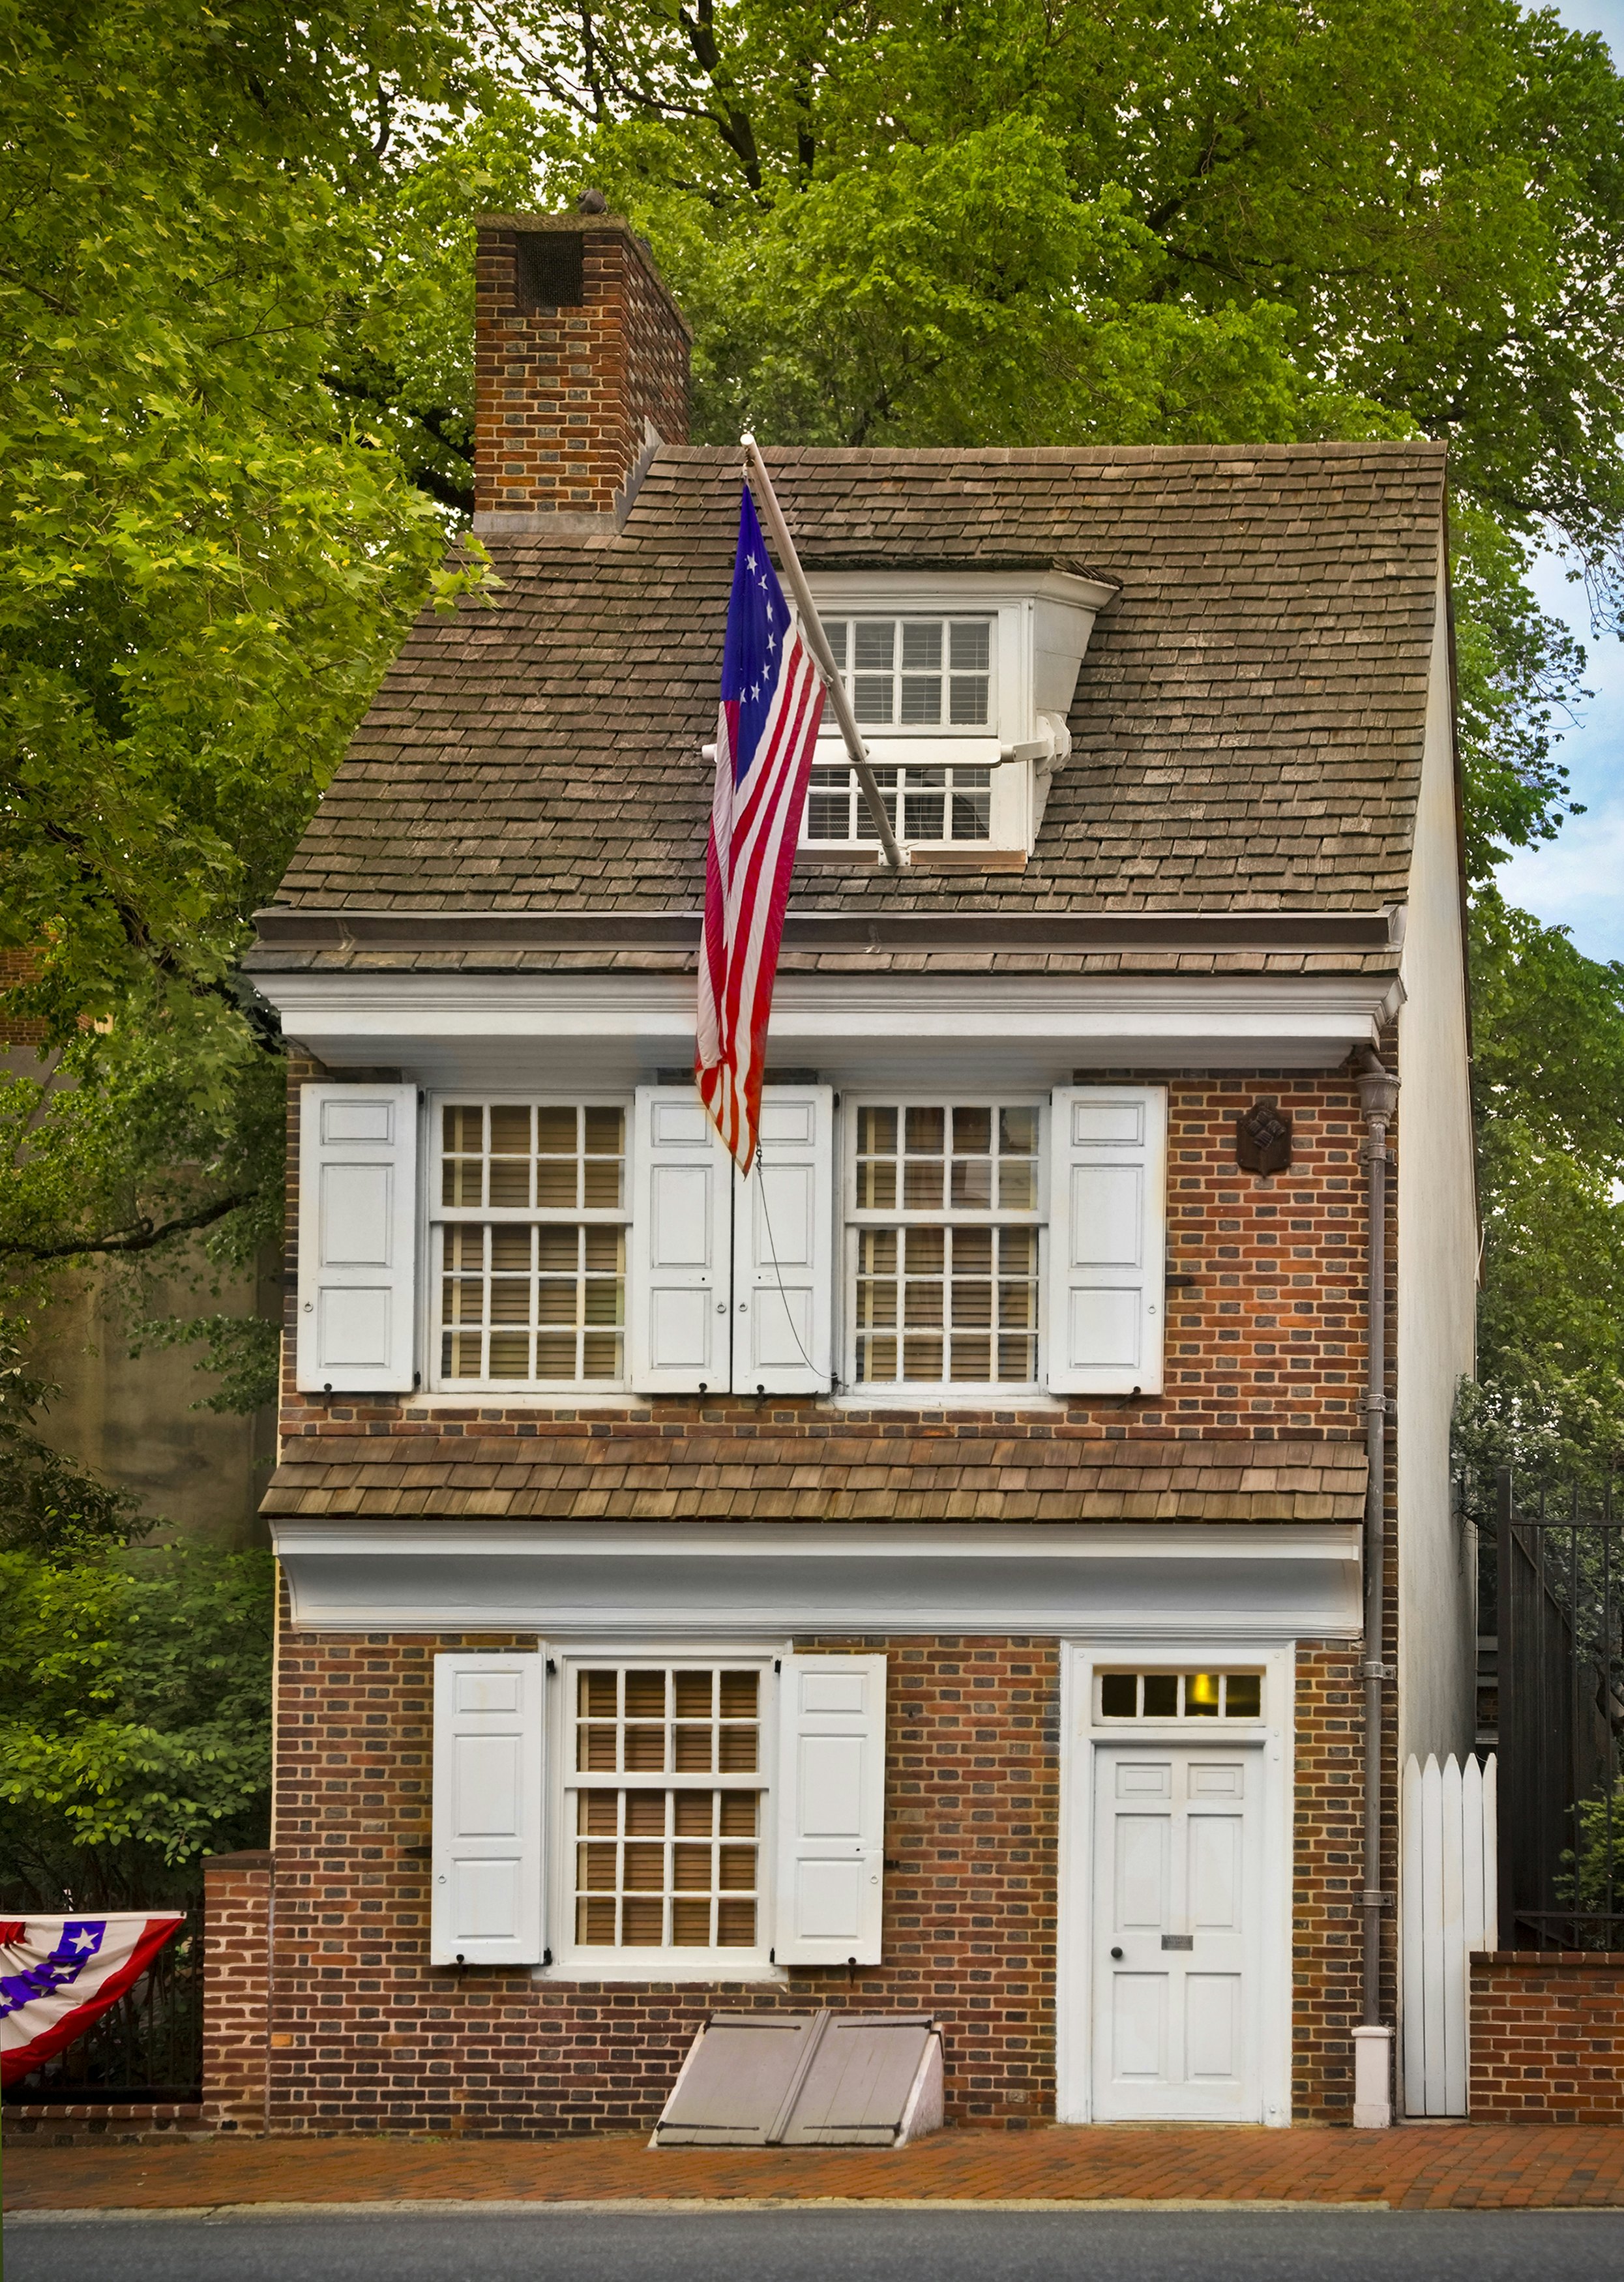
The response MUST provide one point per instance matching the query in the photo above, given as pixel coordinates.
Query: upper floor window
(531, 1225)
(952, 1246)
(943, 1245)
(916, 673)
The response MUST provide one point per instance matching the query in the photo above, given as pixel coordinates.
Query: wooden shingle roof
(854, 1473)
(1247, 726)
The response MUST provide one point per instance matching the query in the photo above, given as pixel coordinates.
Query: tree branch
(141, 1238)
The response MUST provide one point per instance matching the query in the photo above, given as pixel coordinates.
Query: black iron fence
(1555, 1602)
(146, 2048)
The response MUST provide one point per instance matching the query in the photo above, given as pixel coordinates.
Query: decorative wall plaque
(1262, 1137)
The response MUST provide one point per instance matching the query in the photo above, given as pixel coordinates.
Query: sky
(1577, 880)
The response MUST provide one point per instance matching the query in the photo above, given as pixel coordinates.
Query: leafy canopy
(134, 1730)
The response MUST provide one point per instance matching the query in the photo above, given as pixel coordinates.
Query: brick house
(928, 1574)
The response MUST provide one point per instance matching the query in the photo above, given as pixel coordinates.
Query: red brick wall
(561, 395)
(1328, 1880)
(1266, 1340)
(366, 2036)
(238, 1927)
(1547, 2037)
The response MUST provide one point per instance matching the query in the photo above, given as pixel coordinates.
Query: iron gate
(1558, 1623)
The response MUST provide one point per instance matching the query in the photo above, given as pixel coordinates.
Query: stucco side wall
(1437, 1261)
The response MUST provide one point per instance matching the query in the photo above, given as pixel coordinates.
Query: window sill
(920, 860)
(956, 1398)
(702, 1969)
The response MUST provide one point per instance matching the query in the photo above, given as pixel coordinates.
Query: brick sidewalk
(1424, 2168)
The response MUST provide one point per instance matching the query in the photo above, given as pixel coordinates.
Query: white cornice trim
(1179, 1579)
(349, 1013)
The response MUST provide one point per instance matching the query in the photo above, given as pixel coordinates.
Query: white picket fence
(1449, 1909)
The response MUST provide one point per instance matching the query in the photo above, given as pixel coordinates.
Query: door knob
(1116, 1952)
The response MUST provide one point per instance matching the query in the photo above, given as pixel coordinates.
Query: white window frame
(942, 614)
(574, 1961)
(938, 1394)
(432, 1216)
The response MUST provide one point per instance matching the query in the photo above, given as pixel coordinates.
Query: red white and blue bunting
(57, 1974)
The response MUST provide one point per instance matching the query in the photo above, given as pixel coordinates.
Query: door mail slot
(1179, 1941)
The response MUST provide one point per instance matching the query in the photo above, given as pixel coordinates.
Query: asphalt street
(551, 2245)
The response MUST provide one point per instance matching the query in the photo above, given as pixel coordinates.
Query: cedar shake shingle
(1247, 730)
(855, 1475)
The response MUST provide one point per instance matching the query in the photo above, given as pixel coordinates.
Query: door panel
(1177, 1897)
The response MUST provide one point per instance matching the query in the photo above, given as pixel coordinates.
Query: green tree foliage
(1548, 1081)
(47, 1504)
(205, 559)
(135, 1734)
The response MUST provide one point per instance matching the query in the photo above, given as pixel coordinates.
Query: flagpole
(818, 642)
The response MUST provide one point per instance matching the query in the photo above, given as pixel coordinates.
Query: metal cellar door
(1175, 1917)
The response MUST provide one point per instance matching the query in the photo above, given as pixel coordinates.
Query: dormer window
(927, 802)
(916, 673)
(960, 682)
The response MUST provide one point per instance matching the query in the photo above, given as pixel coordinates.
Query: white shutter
(1107, 1238)
(357, 1237)
(680, 1295)
(486, 1893)
(784, 1257)
(830, 1887)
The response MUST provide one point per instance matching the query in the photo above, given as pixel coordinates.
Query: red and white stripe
(754, 828)
(58, 1973)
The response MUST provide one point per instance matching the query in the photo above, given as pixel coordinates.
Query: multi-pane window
(666, 1794)
(925, 673)
(945, 1284)
(949, 802)
(531, 1236)
(1181, 1694)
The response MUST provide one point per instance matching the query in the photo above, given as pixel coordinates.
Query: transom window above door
(1180, 1695)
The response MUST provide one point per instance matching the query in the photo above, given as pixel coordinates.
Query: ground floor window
(664, 1796)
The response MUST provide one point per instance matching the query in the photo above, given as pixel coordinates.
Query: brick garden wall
(1547, 2037)
(237, 1924)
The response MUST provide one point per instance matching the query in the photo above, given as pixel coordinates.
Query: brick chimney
(581, 371)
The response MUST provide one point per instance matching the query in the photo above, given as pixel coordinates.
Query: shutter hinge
(547, 1957)
(552, 1666)
(778, 1664)
(772, 1957)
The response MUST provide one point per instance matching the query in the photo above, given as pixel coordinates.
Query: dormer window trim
(963, 785)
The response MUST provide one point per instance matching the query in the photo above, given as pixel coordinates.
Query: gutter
(1374, 2038)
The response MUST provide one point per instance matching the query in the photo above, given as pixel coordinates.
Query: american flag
(768, 725)
(57, 1974)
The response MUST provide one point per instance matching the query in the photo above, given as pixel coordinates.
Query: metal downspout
(1378, 1101)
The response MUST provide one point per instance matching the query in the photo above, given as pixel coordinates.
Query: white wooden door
(1177, 1913)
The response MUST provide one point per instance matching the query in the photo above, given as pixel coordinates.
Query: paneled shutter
(830, 1887)
(487, 1881)
(784, 1251)
(357, 1237)
(1107, 1238)
(681, 1297)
